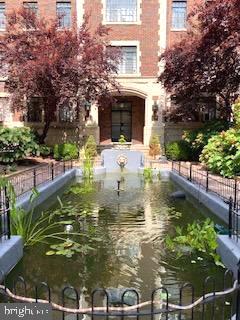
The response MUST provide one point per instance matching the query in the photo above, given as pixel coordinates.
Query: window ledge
(178, 30)
(122, 22)
(128, 75)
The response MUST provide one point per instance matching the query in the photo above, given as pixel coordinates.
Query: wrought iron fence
(216, 301)
(234, 220)
(223, 187)
(28, 179)
(5, 230)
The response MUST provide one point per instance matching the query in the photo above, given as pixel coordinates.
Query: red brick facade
(174, 36)
(47, 8)
(152, 33)
(147, 33)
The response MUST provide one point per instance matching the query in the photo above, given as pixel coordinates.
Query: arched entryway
(124, 116)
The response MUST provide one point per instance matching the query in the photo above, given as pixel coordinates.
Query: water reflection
(132, 228)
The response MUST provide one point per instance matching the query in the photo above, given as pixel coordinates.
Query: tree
(154, 146)
(61, 66)
(206, 62)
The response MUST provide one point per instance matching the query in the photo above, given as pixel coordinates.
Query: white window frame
(179, 29)
(4, 28)
(136, 44)
(27, 5)
(104, 14)
(67, 2)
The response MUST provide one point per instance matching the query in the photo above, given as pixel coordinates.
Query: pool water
(131, 227)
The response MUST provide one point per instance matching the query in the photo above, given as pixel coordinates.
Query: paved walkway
(223, 187)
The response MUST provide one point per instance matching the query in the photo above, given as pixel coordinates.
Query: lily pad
(50, 253)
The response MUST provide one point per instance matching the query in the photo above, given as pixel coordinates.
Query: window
(207, 108)
(121, 10)
(3, 109)
(64, 14)
(179, 14)
(128, 64)
(31, 6)
(67, 113)
(2, 15)
(35, 110)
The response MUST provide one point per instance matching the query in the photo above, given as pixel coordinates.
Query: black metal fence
(234, 220)
(223, 187)
(5, 230)
(23, 182)
(28, 179)
(216, 301)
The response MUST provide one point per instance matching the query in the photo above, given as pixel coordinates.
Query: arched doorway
(124, 116)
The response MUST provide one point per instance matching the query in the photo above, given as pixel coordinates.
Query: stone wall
(174, 131)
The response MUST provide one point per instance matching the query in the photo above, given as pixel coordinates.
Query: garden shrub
(65, 151)
(178, 150)
(91, 147)
(16, 144)
(222, 153)
(154, 146)
(198, 138)
(122, 139)
(45, 151)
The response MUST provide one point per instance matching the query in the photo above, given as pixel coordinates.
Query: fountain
(126, 160)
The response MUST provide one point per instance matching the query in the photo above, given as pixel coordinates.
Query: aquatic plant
(87, 187)
(198, 238)
(173, 213)
(41, 230)
(87, 167)
(68, 249)
(47, 227)
(148, 174)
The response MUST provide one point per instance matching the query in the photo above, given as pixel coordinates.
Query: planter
(122, 146)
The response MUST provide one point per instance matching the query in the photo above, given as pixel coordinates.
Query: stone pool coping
(11, 251)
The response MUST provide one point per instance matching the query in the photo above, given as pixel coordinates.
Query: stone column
(80, 12)
(148, 120)
(92, 127)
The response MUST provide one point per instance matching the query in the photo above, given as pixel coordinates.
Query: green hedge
(17, 144)
(178, 150)
(65, 151)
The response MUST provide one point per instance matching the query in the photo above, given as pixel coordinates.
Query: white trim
(4, 95)
(130, 43)
(162, 45)
(162, 25)
(137, 22)
(178, 30)
(129, 91)
(80, 12)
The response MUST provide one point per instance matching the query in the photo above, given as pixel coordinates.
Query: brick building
(143, 29)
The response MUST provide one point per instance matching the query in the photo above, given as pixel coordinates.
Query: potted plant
(122, 143)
